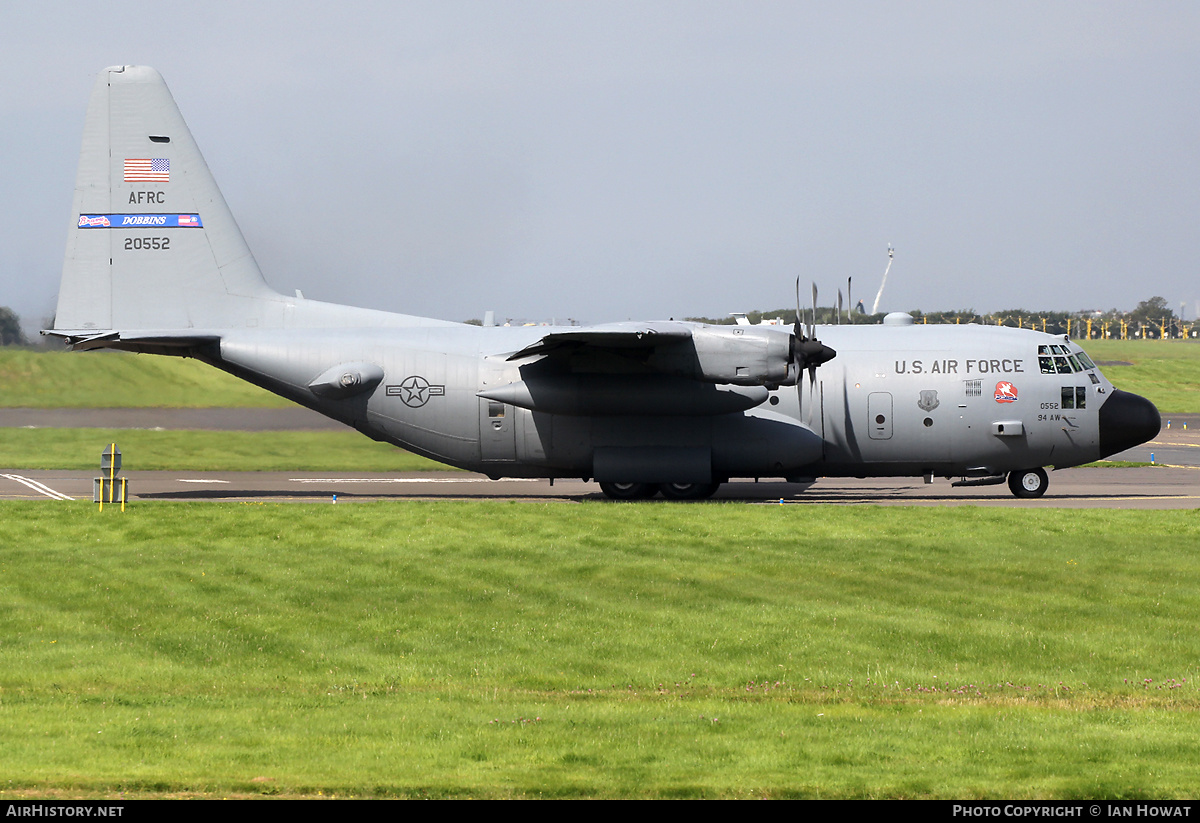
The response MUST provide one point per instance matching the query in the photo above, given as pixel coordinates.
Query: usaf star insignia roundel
(415, 391)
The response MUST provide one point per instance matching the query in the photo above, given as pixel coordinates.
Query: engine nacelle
(737, 355)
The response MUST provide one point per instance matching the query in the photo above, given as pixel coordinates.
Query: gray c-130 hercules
(155, 263)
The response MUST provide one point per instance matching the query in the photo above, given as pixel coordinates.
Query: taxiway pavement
(1113, 488)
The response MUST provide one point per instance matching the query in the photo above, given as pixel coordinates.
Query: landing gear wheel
(1028, 482)
(628, 491)
(688, 491)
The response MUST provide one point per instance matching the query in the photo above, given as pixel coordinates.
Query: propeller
(807, 352)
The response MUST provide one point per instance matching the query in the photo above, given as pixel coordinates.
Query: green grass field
(597, 650)
(1167, 372)
(562, 650)
(119, 380)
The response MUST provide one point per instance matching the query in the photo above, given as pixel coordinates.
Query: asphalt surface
(1173, 483)
(1109, 488)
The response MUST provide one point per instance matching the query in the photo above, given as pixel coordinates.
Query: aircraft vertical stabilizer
(152, 243)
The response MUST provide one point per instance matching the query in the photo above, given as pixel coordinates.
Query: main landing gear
(1028, 482)
(671, 491)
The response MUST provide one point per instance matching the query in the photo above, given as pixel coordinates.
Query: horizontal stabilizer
(146, 341)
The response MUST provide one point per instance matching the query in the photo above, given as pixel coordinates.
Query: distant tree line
(10, 328)
(1151, 319)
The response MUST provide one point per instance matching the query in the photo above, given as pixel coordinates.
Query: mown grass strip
(151, 450)
(513, 650)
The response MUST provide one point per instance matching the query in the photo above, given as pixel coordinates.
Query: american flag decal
(148, 170)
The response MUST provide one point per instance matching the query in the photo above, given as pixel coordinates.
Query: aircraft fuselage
(951, 401)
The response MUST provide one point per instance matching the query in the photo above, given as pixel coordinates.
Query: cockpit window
(1074, 397)
(1061, 360)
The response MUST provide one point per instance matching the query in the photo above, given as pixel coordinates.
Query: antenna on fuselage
(891, 255)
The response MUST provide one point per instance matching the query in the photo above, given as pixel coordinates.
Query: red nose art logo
(1006, 392)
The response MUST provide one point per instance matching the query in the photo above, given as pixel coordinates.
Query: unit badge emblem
(1006, 392)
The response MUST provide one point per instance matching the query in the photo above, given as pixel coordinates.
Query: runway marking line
(411, 480)
(40, 488)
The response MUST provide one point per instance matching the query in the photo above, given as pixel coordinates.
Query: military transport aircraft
(155, 263)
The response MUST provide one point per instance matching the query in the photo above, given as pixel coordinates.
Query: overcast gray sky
(612, 160)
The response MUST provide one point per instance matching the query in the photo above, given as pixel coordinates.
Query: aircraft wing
(734, 355)
(628, 335)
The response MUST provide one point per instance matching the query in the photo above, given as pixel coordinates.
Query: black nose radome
(1126, 420)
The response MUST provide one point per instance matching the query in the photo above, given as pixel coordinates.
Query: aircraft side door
(879, 415)
(497, 431)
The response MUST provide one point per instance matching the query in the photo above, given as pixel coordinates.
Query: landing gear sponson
(671, 491)
(1026, 483)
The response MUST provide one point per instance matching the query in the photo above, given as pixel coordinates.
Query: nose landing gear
(1028, 482)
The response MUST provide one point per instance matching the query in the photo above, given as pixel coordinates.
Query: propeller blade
(839, 311)
(798, 339)
(812, 329)
(796, 327)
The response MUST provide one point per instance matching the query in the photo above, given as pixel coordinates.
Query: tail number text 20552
(148, 243)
